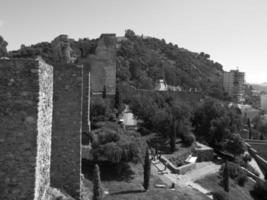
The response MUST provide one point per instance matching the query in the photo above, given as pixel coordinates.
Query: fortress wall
(67, 127)
(25, 121)
(103, 65)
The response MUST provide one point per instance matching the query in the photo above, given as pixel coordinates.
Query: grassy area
(212, 183)
(127, 185)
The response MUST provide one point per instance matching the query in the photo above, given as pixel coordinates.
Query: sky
(232, 32)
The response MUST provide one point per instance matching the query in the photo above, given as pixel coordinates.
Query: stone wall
(66, 132)
(44, 128)
(86, 97)
(103, 65)
(25, 119)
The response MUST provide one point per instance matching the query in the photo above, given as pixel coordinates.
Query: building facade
(264, 102)
(233, 83)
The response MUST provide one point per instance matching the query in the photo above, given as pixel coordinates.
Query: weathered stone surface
(66, 134)
(103, 65)
(62, 50)
(23, 127)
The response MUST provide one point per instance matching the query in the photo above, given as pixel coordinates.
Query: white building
(161, 85)
(233, 83)
(264, 102)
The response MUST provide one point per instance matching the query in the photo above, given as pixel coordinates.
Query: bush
(106, 137)
(259, 191)
(247, 158)
(218, 195)
(242, 179)
(234, 170)
(188, 139)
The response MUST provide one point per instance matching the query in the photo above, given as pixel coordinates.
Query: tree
(173, 136)
(97, 191)
(226, 177)
(3, 45)
(129, 34)
(117, 99)
(147, 168)
(104, 93)
(249, 129)
(235, 145)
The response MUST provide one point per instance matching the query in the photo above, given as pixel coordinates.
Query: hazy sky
(233, 32)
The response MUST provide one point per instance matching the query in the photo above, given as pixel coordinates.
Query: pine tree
(104, 94)
(147, 168)
(226, 177)
(98, 192)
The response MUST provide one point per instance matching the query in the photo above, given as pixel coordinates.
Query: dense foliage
(143, 60)
(215, 123)
(112, 143)
(163, 113)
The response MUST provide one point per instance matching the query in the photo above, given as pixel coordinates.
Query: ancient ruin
(44, 109)
(26, 127)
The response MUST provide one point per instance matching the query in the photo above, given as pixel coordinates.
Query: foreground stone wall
(25, 121)
(66, 132)
(44, 127)
(103, 65)
(86, 97)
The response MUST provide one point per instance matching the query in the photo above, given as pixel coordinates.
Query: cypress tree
(249, 129)
(226, 177)
(98, 192)
(147, 168)
(117, 98)
(104, 94)
(173, 137)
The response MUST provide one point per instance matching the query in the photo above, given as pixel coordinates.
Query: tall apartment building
(264, 102)
(233, 83)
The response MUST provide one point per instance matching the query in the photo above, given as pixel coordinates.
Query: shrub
(242, 179)
(234, 170)
(106, 137)
(98, 190)
(188, 139)
(218, 195)
(259, 191)
(247, 158)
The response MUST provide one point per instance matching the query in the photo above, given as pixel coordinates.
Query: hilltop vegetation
(141, 61)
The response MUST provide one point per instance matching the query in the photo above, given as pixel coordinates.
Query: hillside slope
(141, 61)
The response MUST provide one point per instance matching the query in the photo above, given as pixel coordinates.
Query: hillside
(260, 87)
(141, 61)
